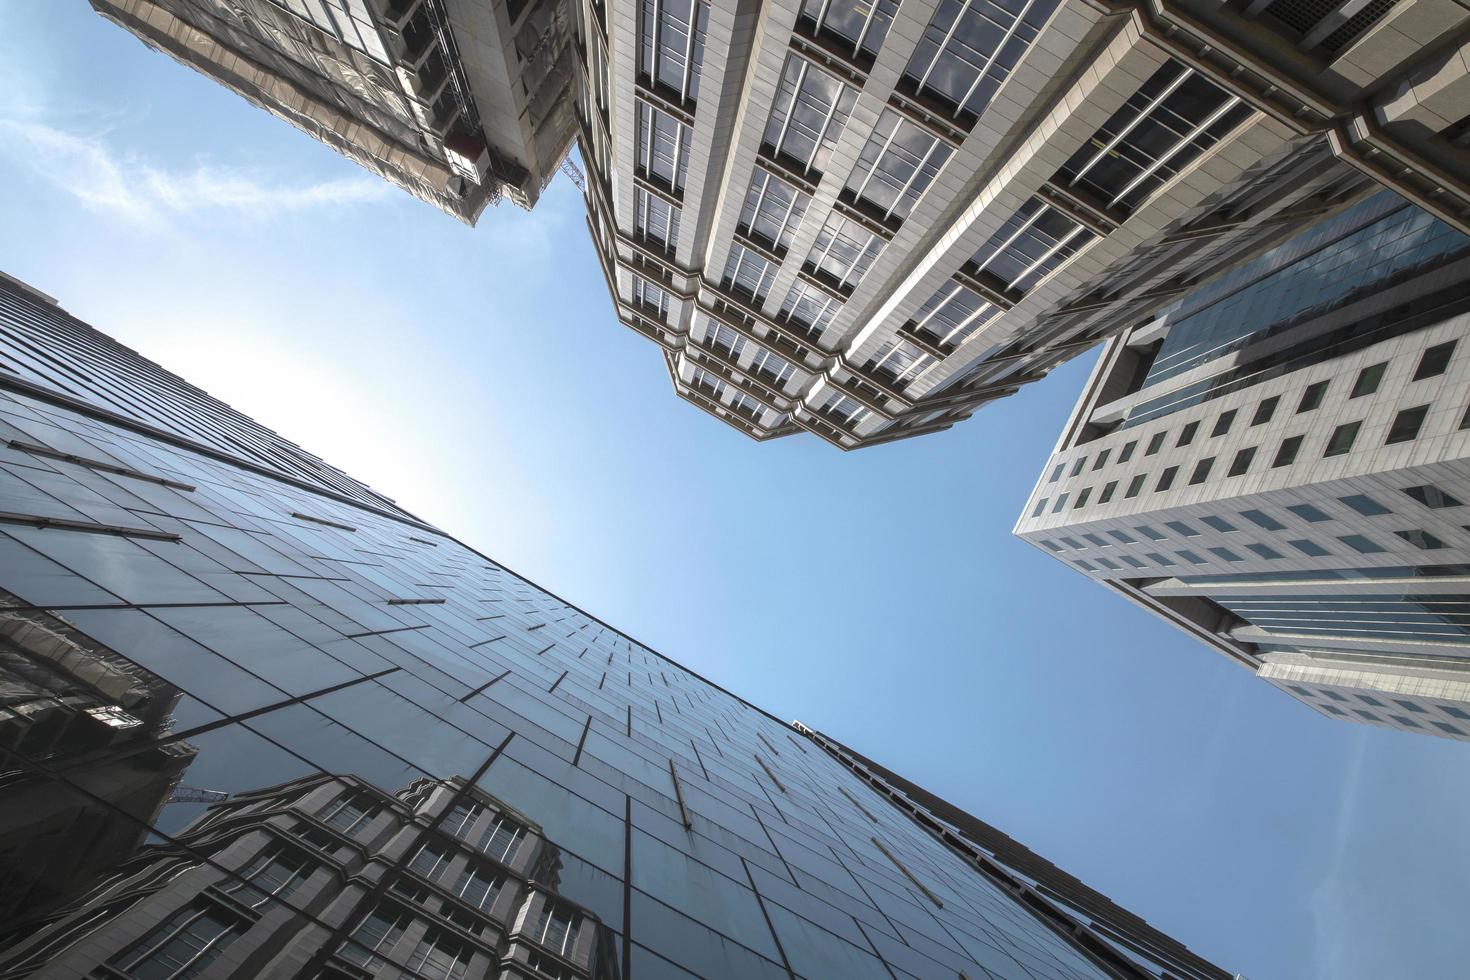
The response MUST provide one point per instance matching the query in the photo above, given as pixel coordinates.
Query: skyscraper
(383, 754)
(1278, 466)
(865, 222)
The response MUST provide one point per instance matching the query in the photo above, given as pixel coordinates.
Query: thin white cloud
(87, 168)
(1330, 905)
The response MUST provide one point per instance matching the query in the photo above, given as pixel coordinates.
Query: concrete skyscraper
(865, 222)
(1280, 465)
(297, 732)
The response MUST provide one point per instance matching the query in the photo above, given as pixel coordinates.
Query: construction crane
(573, 172)
(192, 794)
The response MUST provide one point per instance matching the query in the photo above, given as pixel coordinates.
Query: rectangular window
(651, 298)
(1287, 454)
(1432, 497)
(1182, 529)
(663, 147)
(723, 339)
(862, 26)
(772, 211)
(1056, 474)
(749, 274)
(1077, 466)
(1107, 492)
(809, 307)
(1368, 380)
(1098, 540)
(1342, 439)
(655, 219)
(439, 956)
(1406, 425)
(1265, 410)
(1158, 559)
(1422, 540)
(1201, 471)
(1155, 443)
(773, 370)
(431, 861)
(952, 315)
(1262, 519)
(1309, 548)
(1190, 557)
(1149, 532)
(1135, 485)
(1061, 502)
(1242, 461)
(900, 362)
(1082, 498)
(501, 838)
(673, 46)
(1264, 551)
(1166, 479)
(1102, 459)
(479, 886)
(1365, 505)
(1360, 544)
(897, 165)
(1127, 451)
(970, 47)
(557, 928)
(1435, 360)
(375, 937)
(1029, 246)
(1040, 506)
(807, 117)
(1168, 123)
(348, 813)
(182, 947)
(843, 252)
(1218, 523)
(1312, 397)
(274, 873)
(1223, 423)
(1226, 554)
(1120, 537)
(1186, 435)
(1309, 513)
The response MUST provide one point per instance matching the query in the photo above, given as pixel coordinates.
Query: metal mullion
(1142, 115)
(1025, 226)
(990, 61)
(948, 36)
(786, 219)
(887, 142)
(677, 182)
(760, 199)
(689, 50)
(822, 13)
(791, 109)
(1226, 106)
(928, 155)
(181, 971)
(857, 45)
(658, 21)
(953, 287)
(1061, 242)
(984, 306)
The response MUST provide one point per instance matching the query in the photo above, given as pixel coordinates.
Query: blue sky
(479, 377)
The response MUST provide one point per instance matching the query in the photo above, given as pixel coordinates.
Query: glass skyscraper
(258, 721)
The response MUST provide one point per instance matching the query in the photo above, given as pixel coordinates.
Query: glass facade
(288, 732)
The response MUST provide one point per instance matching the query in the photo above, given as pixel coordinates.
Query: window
(1368, 380)
(1287, 454)
(348, 813)
(1190, 557)
(1135, 485)
(1186, 435)
(1053, 545)
(1218, 523)
(1029, 246)
(1072, 543)
(439, 956)
(1432, 497)
(1360, 544)
(1422, 540)
(1107, 492)
(969, 48)
(1264, 551)
(274, 873)
(952, 315)
(557, 928)
(1056, 474)
(749, 273)
(1406, 425)
(1312, 397)
(1040, 506)
(1223, 423)
(1309, 548)
(500, 839)
(673, 45)
(182, 946)
(655, 219)
(1226, 554)
(896, 166)
(809, 307)
(1149, 532)
(1307, 512)
(1061, 502)
(378, 933)
(807, 116)
(1173, 118)
(850, 412)
(1106, 563)
(1261, 519)
(1077, 466)
(1434, 361)
(723, 339)
(479, 886)
(1365, 505)
(772, 211)
(651, 298)
(1242, 461)
(1158, 559)
(863, 26)
(431, 861)
(1102, 459)
(1342, 439)
(1404, 721)
(1131, 560)
(773, 370)
(1155, 443)
(1265, 410)
(1335, 711)
(1410, 706)
(1126, 453)
(1085, 566)
(1453, 711)
(1201, 471)
(1182, 529)
(1082, 498)
(843, 252)
(1121, 537)
(1450, 729)
(663, 147)
(1166, 479)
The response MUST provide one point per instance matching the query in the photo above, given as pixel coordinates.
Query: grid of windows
(651, 298)
(663, 147)
(970, 47)
(810, 109)
(811, 307)
(862, 27)
(952, 315)
(843, 252)
(899, 162)
(182, 947)
(655, 219)
(673, 45)
(749, 273)
(1031, 244)
(772, 211)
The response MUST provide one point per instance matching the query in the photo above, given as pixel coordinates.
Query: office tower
(1278, 466)
(865, 222)
(461, 103)
(394, 757)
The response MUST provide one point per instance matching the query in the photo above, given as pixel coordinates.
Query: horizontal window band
(97, 464)
(85, 527)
